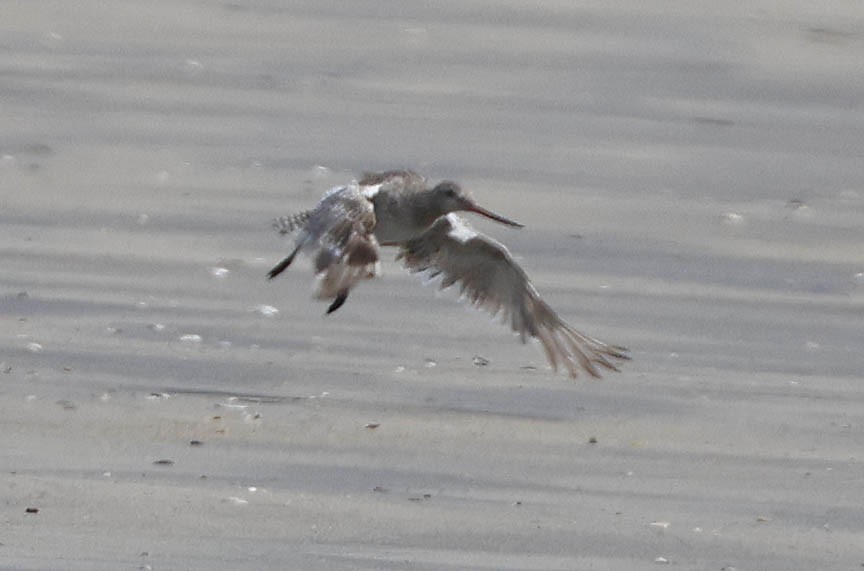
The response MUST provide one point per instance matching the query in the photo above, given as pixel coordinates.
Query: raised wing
(337, 233)
(401, 178)
(491, 280)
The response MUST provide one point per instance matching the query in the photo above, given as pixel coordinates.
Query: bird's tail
(292, 222)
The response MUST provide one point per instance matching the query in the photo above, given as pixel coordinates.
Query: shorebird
(345, 231)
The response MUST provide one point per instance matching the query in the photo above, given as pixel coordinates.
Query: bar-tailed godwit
(345, 231)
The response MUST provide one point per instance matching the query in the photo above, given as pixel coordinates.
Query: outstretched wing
(337, 233)
(491, 280)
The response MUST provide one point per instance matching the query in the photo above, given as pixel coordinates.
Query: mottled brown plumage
(397, 208)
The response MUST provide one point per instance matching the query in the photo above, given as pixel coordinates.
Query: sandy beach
(690, 179)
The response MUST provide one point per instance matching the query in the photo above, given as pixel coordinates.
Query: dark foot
(281, 266)
(337, 303)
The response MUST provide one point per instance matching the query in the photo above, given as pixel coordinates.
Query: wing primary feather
(490, 280)
(547, 341)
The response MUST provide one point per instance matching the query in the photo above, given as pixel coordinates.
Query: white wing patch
(369, 191)
(459, 229)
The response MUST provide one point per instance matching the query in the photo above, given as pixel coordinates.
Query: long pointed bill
(492, 216)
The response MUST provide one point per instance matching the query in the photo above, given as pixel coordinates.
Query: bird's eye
(450, 193)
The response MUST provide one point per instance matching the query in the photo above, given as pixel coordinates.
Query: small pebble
(320, 171)
(232, 402)
(32, 510)
(480, 361)
(190, 338)
(164, 462)
(732, 219)
(34, 347)
(266, 310)
(252, 418)
(661, 560)
(218, 272)
(372, 425)
(193, 66)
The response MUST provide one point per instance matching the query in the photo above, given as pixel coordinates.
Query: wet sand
(690, 180)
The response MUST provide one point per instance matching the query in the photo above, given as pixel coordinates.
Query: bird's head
(450, 197)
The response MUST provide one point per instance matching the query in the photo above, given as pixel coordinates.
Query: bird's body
(345, 231)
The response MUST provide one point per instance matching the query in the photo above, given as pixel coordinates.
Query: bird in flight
(346, 230)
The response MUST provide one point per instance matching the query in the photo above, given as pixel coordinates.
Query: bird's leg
(337, 303)
(283, 265)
